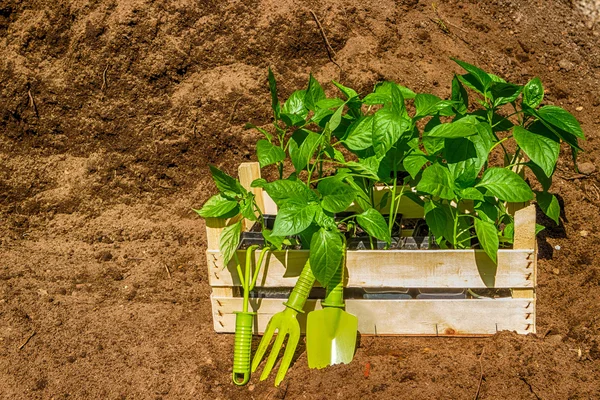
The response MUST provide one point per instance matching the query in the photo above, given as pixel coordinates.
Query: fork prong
(288, 355)
(264, 342)
(273, 355)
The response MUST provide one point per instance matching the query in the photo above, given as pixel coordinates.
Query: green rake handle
(301, 290)
(242, 350)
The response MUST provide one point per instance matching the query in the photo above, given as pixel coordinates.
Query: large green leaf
(436, 180)
(463, 127)
(481, 78)
(225, 183)
(295, 104)
(388, 127)
(540, 144)
(549, 205)
(506, 185)
(314, 94)
(360, 135)
(336, 195)
(428, 104)
(539, 173)
(350, 93)
(413, 162)
(326, 253)
(229, 241)
(285, 190)
(488, 238)
(561, 119)
(440, 220)
(503, 93)
(302, 147)
(293, 217)
(533, 93)
(267, 153)
(374, 224)
(219, 206)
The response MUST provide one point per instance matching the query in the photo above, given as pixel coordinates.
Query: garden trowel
(331, 332)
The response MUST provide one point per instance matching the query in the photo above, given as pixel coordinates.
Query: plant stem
(391, 216)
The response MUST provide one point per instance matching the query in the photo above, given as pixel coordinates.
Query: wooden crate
(515, 270)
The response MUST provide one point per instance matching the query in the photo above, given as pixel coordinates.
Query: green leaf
(463, 127)
(503, 93)
(533, 93)
(302, 147)
(336, 119)
(325, 219)
(541, 145)
(471, 194)
(274, 100)
(383, 93)
(337, 196)
(436, 180)
(487, 211)
(481, 77)
(561, 119)
(440, 220)
(326, 252)
(488, 238)
(413, 163)
(549, 205)
(295, 104)
(398, 107)
(459, 96)
(268, 153)
(374, 224)
(229, 241)
(350, 93)
(293, 217)
(506, 185)
(276, 241)
(314, 93)
(285, 190)
(388, 127)
(247, 208)
(225, 183)
(219, 207)
(539, 228)
(428, 104)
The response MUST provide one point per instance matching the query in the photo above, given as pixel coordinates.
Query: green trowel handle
(243, 347)
(301, 290)
(335, 290)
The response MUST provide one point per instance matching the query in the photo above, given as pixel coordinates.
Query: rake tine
(273, 356)
(264, 343)
(288, 355)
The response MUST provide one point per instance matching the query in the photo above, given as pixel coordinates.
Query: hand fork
(285, 323)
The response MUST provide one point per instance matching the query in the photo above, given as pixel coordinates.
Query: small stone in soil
(579, 108)
(584, 233)
(587, 168)
(557, 247)
(556, 271)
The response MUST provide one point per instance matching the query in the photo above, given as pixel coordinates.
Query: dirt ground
(109, 114)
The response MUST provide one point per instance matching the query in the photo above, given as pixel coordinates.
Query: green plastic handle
(302, 289)
(335, 290)
(242, 347)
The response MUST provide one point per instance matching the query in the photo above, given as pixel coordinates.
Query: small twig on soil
(27, 340)
(232, 111)
(442, 23)
(330, 51)
(104, 84)
(168, 271)
(32, 103)
(530, 387)
(573, 177)
(480, 375)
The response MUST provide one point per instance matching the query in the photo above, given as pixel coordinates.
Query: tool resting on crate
(331, 332)
(285, 323)
(243, 320)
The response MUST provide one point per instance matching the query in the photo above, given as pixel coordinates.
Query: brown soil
(110, 112)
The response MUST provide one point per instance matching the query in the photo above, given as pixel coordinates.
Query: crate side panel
(395, 268)
(401, 317)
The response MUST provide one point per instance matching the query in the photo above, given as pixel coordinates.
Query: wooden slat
(395, 268)
(401, 317)
(214, 226)
(247, 173)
